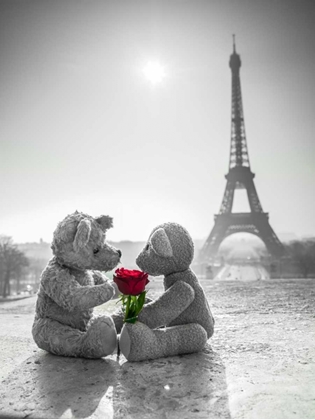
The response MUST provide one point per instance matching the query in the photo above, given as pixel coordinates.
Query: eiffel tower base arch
(254, 223)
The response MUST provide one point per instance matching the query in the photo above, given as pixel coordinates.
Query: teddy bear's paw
(138, 342)
(100, 339)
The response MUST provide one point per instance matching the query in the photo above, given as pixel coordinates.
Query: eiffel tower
(239, 176)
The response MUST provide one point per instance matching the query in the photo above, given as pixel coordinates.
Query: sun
(154, 72)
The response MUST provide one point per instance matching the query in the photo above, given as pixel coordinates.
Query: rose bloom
(130, 282)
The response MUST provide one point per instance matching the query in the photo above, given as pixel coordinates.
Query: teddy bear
(71, 285)
(180, 320)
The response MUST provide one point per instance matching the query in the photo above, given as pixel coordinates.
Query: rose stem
(127, 308)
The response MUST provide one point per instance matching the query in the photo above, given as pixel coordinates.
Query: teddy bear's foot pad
(100, 339)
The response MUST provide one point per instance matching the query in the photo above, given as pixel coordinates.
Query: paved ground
(259, 364)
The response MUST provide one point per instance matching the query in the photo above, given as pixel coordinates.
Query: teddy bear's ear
(106, 222)
(83, 234)
(161, 244)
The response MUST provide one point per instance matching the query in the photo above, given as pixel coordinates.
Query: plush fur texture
(180, 320)
(71, 285)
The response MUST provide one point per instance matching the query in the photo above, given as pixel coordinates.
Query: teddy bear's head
(169, 249)
(79, 242)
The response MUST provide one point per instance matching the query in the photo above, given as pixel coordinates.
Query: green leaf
(140, 302)
(134, 300)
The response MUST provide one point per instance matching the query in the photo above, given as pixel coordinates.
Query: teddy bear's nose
(119, 252)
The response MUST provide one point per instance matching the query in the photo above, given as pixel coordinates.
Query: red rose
(130, 282)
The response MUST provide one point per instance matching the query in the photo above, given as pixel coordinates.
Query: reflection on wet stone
(188, 386)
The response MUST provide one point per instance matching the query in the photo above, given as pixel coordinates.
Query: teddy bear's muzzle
(109, 259)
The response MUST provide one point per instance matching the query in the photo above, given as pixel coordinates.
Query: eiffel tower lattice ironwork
(239, 176)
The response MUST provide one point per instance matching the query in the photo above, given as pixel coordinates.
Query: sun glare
(154, 72)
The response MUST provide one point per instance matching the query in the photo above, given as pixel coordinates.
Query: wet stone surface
(258, 364)
(47, 386)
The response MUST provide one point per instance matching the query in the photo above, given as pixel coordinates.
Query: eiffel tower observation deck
(239, 176)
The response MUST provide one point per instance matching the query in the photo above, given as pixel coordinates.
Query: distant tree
(12, 262)
(303, 255)
(36, 267)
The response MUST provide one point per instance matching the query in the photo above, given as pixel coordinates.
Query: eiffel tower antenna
(239, 176)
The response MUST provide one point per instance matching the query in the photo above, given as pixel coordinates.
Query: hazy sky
(83, 129)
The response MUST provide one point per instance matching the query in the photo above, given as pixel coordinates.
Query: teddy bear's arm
(62, 287)
(168, 306)
(100, 278)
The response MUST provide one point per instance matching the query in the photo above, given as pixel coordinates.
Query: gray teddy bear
(71, 285)
(180, 320)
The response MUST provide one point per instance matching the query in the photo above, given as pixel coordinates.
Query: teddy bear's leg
(99, 340)
(138, 342)
(57, 338)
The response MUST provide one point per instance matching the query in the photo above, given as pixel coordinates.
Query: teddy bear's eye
(96, 250)
(147, 247)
